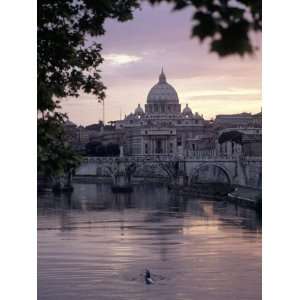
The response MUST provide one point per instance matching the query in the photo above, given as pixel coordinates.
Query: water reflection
(95, 245)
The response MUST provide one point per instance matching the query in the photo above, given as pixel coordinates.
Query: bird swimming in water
(148, 279)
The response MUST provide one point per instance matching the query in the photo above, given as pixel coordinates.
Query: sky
(135, 52)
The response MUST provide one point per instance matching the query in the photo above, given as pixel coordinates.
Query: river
(96, 245)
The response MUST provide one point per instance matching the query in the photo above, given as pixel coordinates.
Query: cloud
(228, 92)
(121, 59)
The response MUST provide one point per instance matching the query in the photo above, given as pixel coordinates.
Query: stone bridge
(245, 171)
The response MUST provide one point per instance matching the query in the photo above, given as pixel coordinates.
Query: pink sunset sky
(134, 53)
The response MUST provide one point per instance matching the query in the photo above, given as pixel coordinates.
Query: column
(151, 146)
(229, 149)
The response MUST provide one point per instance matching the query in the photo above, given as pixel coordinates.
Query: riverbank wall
(211, 190)
(246, 197)
(240, 195)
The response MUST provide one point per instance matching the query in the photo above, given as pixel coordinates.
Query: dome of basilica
(187, 110)
(139, 110)
(162, 92)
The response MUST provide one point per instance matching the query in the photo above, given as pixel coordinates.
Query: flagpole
(103, 113)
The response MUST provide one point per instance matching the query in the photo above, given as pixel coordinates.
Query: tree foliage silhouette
(226, 24)
(231, 136)
(67, 65)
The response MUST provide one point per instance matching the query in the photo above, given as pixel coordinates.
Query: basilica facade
(162, 127)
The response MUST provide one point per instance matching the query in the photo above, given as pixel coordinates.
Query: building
(71, 132)
(238, 120)
(252, 145)
(163, 127)
(79, 136)
(257, 120)
(201, 146)
(108, 135)
(233, 119)
(236, 141)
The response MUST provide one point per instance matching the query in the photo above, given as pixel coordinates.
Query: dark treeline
(98, 149)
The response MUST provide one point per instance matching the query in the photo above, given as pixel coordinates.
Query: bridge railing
(145, 159)
(141, 158)
(213, 155)
(252, 158)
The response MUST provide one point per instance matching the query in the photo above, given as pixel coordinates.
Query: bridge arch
(148, 169)
(195, 171)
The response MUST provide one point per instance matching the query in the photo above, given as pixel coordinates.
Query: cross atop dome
(162, 76)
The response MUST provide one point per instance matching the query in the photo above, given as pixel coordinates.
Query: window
(158, 147)
(179, 140)
(171, 147)
(146, 148)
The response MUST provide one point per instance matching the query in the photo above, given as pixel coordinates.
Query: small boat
(148, 279)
